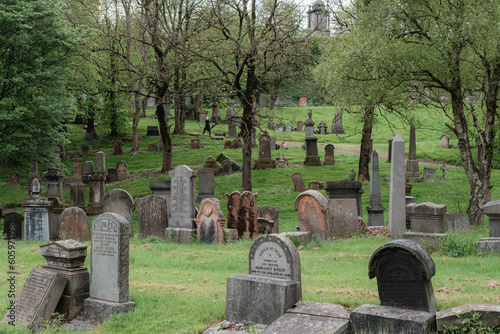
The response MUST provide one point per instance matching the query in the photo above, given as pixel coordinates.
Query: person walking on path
(207, 126)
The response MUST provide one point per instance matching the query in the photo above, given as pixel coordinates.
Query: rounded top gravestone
(316, 194)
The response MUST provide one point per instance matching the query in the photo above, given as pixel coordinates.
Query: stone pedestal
(312, 158)
(492, 244)
(96, 193)
(426, 217)
(55, 210)
(77, 195)
(375, 209)
(36, 219)
(98, 311)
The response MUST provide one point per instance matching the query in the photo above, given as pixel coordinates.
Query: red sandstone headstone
(15, 179)
(210, 210)
(303, 101)
(298, 183)
(74, 224)
(121, 169)
(312, 207)
(242, 213)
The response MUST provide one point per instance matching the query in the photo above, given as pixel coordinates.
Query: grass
(181, 288)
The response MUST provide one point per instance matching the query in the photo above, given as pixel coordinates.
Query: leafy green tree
(36, 45)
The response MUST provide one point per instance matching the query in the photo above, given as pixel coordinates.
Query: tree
(36, 46)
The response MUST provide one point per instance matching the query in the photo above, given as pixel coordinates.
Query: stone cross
(397, 205)
(444, 168)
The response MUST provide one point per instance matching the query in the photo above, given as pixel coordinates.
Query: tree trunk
(366, 144)
(135, 123)
(165, 138)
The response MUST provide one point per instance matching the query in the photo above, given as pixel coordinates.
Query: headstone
(263, 101)
(457, 223)
(298, 183)
(100, 163)
(289, 100)
(322, 127)
(444, 168)
(303, 101)
(121, 170)
(152, 130)
(96, 193)
(407, 305)
(412, 170)
(15, 179)
(74, 224)
(77, 188)
(429, 174)
(236, 143)
(216, 115)
(491, 244)
(66, 258)
(242, 213)
(210, 222)
(265, 160)
(312, 158)
(300, 126)
(352, 175)
(109, 288)
(426, 217)
(36, 215)
(85, 150)
(206, 184)
(445, 141)
(281, 161)
(227, 167)
(117, 148)
(270, 213)
(337, 124)
(33, 171)
(344, 207)
(54, 183)
(182, 212)
(195, 144)
(312, 208)
(409, 200)
(13, 226)
(235, 167)
(329, 155)
(88, 169)
(272, 286)
(120, 202)
(232, 132)
(397, 206)
(152, 147)
(389, 155)
(289, 128)
(211, 163)
(37, 299)
(153, 216)
(375, 209)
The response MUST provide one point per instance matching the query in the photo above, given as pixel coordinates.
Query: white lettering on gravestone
(270, 260)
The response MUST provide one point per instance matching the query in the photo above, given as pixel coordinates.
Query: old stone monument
(206, 184)
(262, 101)
(210, 222)
(492, 243)
(272, 285)
(429, 174)
(407, 305)
(120, 202)
(303, 101)
(153, 216)
(329, 155)
(298, 183)
(100, 163)
(121, 170)
(88, 169)
(375, 209)
(211, 163)
(397, 205)
(13, 225)
(15, 179)
(182, 213)
(265, 160)
(344, 207)
(300, 126)
(117, 148)
(109, 288)
(77, 188)
(426, 219)
(271, 213)
(54, 193)
(337, 124)
(323, 128)
(242, 213)
(312, 208)
(445, 141)
(74, 224)
(312, 158)
(412, 169)
(36, 215)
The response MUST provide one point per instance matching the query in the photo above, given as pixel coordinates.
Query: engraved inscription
(270, 260)
(180, 196)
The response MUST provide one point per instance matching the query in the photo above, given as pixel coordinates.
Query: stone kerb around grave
(272, 286)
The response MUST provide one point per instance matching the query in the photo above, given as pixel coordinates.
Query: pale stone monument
(397, 205)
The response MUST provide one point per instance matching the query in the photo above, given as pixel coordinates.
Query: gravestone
(237, 143)
(491, 244)
(153, 216)
(66, 259)
(312, 158)
(300, 126)
(206, 184)
(344, 207)
(352, 175)
(109, 288)
(216, 115)
(271, 213)
(13, 226)
(242, 213)
(152, 147)
(37, 299)
(289, 128)
(85, 150)
(96, 183)
(36, 215)
(337, 124)
(182, 211)
(397, 205)
(409, 200)
(210, 222)
(322, 127)
(15, 179)
(329, 155)
(74, 224)
(88, 169)
(227, 167)
(281, 161)
(235, 167)
(426, 217)
(303, 101)
(289, 100)
(117, 148)
(412, 169)
(232, 131)
(33, 171)
(309, 123)
(100, 163)
(262, 101)
(389, 154)
(112, 175)
(444, 168)
(77, 188)
(273, 143)
(211, 163)
(445, 141)
(375, 209)
(120, 202)
(152, 130)
(53, 184)
(272, 286)
(457, 223)
(407, 304)
(162, 188)
(429, 174)
(312, 208)
(121, 170)
(265, 160)
(298, 183)
(195, 144)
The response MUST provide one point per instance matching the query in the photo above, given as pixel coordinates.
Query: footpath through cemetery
(316, 250)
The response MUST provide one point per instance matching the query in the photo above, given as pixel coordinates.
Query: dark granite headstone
(15, 179)
(13, 225)
(207, 231)
(153, 216)
(210, 221)
(117, 148)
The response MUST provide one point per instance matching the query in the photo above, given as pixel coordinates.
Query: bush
(457, 245)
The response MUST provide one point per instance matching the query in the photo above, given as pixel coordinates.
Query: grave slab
(490, 314)
(291, 323)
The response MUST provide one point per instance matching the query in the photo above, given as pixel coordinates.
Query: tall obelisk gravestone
(397, 204)
(375, 209)
(412, 170)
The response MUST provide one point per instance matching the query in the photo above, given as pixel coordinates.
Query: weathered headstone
(375, 209)
(100, 163)
(412, 169)
(210, 222)
(344, 207)
(242, 213)
(211, 163)
(152, 147)
(152, 130)
(407, 305)
(491, 244)
(271, 213)
(162, 188)
(300, 126)
(54, 183)
(397, 205)
(121, 170)
(265, 160)
(206, 184)
(312, 158)
(322, 127)
(444, 168)
(109, 288)
(329, 155)
(227, 167)
(96, 184)
(232, 131)
(88, 169)
(298, 183)
(426, 217)
(77, 188)
(309, 123)
(13, 225)
(445, 141)
(429, 174)
(289, 128)
(337, 124)
(216, 114)
(36, 215)
(222, 157)
(74, 224)
(303, 101)
(182, 211)
(120, 202)
(85, 150)
(262, 101)
(37, 299)
(281, 161)
(117, 148)
(195, 144)
(312, 208)
(272, 286)
(153, 216)
(15, 179)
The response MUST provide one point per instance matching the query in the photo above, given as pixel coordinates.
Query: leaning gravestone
(312, 207)
(271, 213)
(407, 305)
(37, 299)
(120, 202)
(272, 285)
(298, 183)
(109, 268)
(13, 225)
(74, 224)
(153, 216)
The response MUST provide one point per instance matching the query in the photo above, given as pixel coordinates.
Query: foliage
(36, 46)
(471, 325)
(457, 245)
